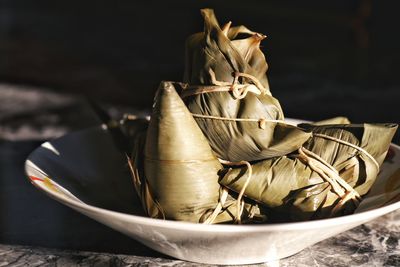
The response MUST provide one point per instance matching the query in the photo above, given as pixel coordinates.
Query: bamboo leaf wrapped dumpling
(292, 188)
(229, 96)
(214, 55)
(180, 167)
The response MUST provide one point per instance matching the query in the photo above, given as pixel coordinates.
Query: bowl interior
(89, 165)
(86, 171)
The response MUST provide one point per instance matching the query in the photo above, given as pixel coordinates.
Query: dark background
(326, 58)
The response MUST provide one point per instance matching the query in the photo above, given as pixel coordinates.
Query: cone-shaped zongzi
(180, 167)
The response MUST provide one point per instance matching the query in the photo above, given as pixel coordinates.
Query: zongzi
(179, 165)
(325, 177)
(228, 94)
(217, 148)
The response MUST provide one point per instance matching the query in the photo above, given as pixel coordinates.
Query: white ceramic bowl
(85, 171)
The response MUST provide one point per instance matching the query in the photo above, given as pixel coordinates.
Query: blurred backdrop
(326, 58)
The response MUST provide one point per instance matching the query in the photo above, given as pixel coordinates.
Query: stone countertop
(37, 231)
(373, 244)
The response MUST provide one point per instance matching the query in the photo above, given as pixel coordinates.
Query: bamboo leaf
(289, 186)
(180, 167)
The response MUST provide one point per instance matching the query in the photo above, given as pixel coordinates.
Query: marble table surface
(373, 244)
(48, 234)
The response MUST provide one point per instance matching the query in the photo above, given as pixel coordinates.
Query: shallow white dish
(85, 171)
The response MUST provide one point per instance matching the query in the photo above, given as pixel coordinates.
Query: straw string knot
(328, 173)
(238, 90)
